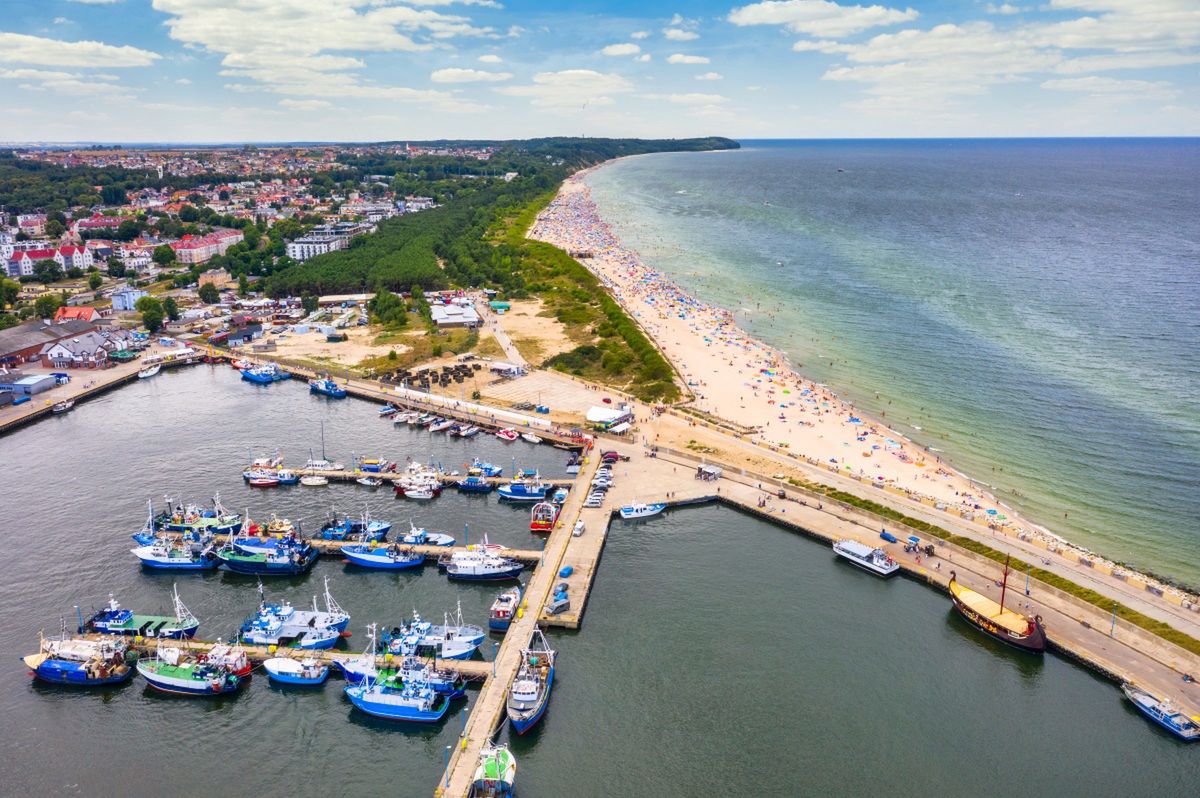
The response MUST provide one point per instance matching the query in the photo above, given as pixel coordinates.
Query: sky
(370, 70)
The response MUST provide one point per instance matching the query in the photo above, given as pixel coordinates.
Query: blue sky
(362, 70)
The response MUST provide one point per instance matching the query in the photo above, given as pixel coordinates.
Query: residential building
(218, 277)
(78, 313)
(454, 316)
(89, 351)
(326, 238)
(32, 224)
(126, 298)
(21, 263)
(24, 342)
(198, 249)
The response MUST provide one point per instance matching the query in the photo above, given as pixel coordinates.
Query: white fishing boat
(370, 482)
(632, 512)
(149, 372)
(441, 425)
(63, 406)
(876, 561)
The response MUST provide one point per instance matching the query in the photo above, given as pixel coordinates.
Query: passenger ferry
(876, 561)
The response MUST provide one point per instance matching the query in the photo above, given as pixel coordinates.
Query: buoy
(464, 743)
(520, 612)
(387, 657)
(271, 649)
(137, 638)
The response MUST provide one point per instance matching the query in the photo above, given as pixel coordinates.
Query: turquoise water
(1030, 306)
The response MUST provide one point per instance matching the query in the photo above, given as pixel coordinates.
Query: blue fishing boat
(176, 555)
(326, 387)
(292, 561)
(76, 662)
(265, 374)
(297, 673)
(423, 537)
(415, 702)
(1161, 712)
(281, 624)
(484, 469)
(530, 489)
(196, 519)
(474, 484)
(364, 529)
(387, 558)
(114, 619)
(504, 609)
(286, 476)
(451, 639)
(531, 689)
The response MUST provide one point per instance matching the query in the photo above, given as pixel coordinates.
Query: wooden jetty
(473, 670)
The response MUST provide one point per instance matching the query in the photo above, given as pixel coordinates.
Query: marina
(571, 560)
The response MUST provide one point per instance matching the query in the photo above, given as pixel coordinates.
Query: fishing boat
(261, 478)
(529, 437)
(474, 484)
(365, 528)
(504, 609)
(481, 565)
(77, 662)
(369, 482)
(63, 406)
(172, 670)
(149, 371)
(543, 516)
(195, 518)
(508, 434)
(266, 540)
(451, 639)
(484, 469)
(289, 561)
(265, 374)
(322, 463)
(387, 558)
(325, 386)
(560, 496)
(280, 624)
(114, 619)
(531, 689)
(870, 559)
(496, 774)
(176, 555)
(449, 683)
(423, 537)
(991, 618)
(1161, 712)
(287, 477)
(373, 465)
(313, 480)
(415, 702)
(364, 666)
(388, 410)
(523, 490)
(638, 510)
(296, 672)
(441, 425)
(241, 365)
(417, 492)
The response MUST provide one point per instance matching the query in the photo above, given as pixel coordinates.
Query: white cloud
(184, 82)
(754, 88)
(305, 105)
(1124, 25)
(570, 89)
(680, 35)
(455, 75)
(690, 98)
(1097, 86)
(22, 49)
(680, 58)
(643, 57)
(490, 58)
(639, 34)
(1003, 8)
(821, 46)
(819, 17)
(59, 21)
(710, 76)
(71, 84)
(626, 48)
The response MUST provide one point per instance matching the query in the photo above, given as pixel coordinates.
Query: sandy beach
(741, 380)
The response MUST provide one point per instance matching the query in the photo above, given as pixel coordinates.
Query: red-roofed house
(94, 222)
(21, 263)
(78, 313)
(198, 249)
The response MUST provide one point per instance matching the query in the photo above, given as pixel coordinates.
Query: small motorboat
(423, 537)
(482, 565)
(441, 425)
(369, 482)
(529, 437)
(418, 492)
(62, 407)
(388, 410)
(504, 609)
(261, 478)
(543, 516)
(508, 434)
(876, 561)
(496, 775)
(638, 510)
(469, 431)
(388, 558)
(300, 673)
(1161, 712)
(314, 480)
(149, 371)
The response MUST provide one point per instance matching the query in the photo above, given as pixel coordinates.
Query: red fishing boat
(543, 516)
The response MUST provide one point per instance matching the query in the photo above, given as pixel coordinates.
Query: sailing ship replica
(993, 619)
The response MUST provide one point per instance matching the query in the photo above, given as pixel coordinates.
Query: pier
(334, 547)
(350, 475)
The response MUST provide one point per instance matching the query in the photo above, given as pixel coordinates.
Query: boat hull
(380, 561)
(260, 568)
(190, 687)
(297, 681)
(523, 722)
(70, 674)
(491, 576)
(398, 713)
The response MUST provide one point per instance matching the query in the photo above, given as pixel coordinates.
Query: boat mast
(1004, 584)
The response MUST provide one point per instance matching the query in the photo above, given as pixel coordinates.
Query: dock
(429, 552)
(349, 475)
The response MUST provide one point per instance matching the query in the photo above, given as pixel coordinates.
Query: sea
(719, 654)
(1028, 309)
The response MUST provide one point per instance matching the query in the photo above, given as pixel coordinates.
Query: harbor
(1076, 630)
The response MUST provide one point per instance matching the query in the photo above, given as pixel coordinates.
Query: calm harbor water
(705, 666)
(1026, 307)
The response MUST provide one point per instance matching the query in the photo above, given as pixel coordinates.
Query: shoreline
(684, 327)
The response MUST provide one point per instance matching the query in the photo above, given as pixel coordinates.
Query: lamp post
(495, 654)
(447, 766)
